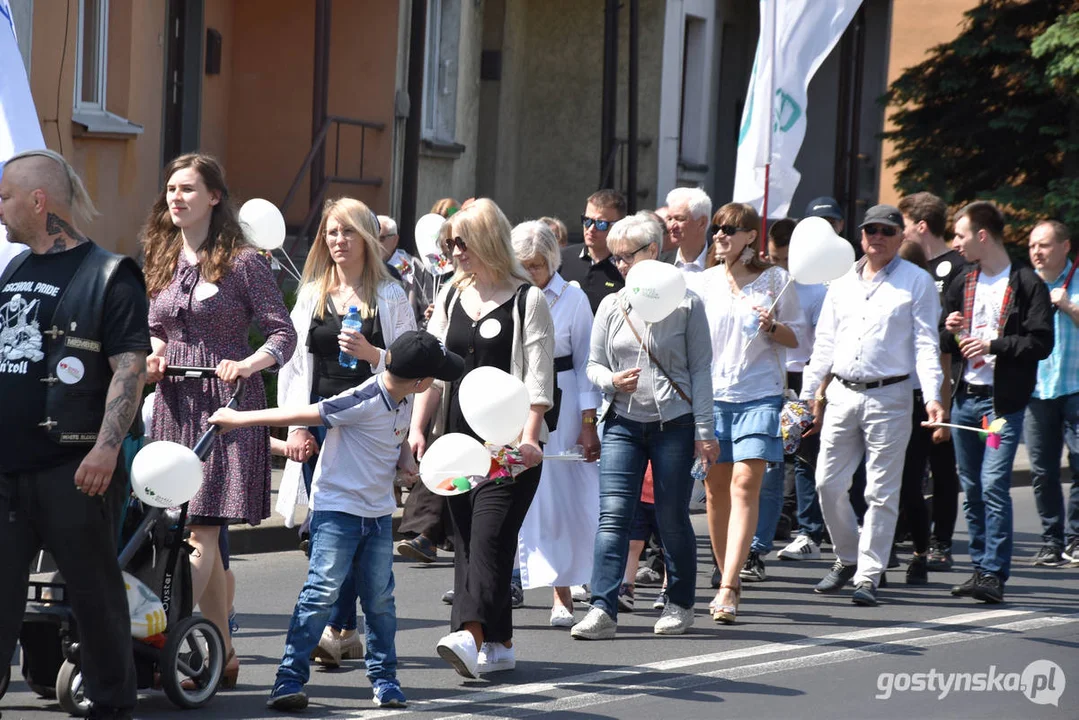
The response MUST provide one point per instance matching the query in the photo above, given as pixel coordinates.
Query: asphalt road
(792, 655)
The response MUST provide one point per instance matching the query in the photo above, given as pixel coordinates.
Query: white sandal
(561, 617)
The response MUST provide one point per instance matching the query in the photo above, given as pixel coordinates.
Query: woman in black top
(492, 316)
(343, 269)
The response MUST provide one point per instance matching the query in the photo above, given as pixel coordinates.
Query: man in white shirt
(878, 326)
(689, 214)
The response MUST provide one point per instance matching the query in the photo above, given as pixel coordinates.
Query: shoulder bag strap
(652, 357)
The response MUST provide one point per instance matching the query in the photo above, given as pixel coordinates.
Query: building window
(91, 58)
(440, 70)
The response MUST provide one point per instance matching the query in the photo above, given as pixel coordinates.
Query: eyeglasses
(601, 225)
(627, 259)
(449, 244)
(728, 230)
(885, 230)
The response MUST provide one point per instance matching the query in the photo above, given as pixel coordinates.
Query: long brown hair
(161, 240)
(319, 269)
(744, 216)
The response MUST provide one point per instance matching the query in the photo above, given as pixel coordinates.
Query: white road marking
(589, 680)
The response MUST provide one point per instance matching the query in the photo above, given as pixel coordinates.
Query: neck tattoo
(61, 231)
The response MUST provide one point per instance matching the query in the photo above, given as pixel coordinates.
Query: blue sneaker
(287, 696)
(234, 627)
(387, 693)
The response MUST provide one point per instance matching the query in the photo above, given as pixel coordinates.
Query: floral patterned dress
(203, 324)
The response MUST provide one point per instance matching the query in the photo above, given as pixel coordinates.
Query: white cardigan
(294, 381)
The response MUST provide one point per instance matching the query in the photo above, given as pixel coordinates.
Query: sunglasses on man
(601, 225)
(727, 230)
(885, 230)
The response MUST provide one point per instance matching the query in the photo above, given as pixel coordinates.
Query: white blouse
(748, 364)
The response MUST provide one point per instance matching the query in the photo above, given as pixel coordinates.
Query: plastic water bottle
(351, 321)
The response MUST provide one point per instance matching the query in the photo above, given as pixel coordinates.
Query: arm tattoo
(122, 401)
(57, 227)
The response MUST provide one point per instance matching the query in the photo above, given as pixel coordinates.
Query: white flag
(796, 37)
(19, 127)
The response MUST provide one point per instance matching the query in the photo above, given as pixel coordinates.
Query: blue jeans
(986, 477)
(771, 507)
(1050, 424)
(343, 616)
(628, 445)
(343, 545)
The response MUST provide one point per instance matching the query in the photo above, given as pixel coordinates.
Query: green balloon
(462, 484)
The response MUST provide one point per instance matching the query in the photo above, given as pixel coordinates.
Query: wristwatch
(772, 330)
(589, 420)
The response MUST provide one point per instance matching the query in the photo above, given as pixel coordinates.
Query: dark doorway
(183, 78)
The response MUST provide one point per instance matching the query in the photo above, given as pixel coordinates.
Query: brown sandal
(723, 613)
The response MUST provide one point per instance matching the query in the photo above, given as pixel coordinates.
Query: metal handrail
(318, 144)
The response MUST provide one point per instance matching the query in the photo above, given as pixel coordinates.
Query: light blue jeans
(344, 545)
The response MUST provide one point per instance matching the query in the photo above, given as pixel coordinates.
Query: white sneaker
(580, 593)
(459, 650)
(801, 548)
(675, 620)
(597, 625)
(494, 657)
(561, 617)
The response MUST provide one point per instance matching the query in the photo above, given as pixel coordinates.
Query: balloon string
(294, 272)
(644, 339)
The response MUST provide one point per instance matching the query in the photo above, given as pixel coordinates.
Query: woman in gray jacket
(658, 411)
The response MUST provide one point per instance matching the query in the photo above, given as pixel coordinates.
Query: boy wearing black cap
(352, 506)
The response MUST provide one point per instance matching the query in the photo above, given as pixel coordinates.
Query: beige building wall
(217, 89)
(121, 172)
(917, 27)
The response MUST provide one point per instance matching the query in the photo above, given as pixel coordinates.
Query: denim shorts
(749, 430)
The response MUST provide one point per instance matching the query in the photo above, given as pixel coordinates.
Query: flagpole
(770, 124)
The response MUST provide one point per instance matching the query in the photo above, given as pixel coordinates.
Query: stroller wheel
(5, 680)
(193, 651)
(70, 692)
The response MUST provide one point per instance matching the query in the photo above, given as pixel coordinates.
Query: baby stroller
(186, 660)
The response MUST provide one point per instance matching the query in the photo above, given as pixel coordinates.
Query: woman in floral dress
(207, 286)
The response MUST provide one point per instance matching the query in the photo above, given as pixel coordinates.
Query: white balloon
(428, 229)
(166, 474)
(495, 404)
(817, 254)
(453, 456)
(655, 289)
(263, 224)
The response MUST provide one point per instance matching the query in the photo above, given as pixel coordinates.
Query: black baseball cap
(417, 354)
(825, 207)
(883, 215)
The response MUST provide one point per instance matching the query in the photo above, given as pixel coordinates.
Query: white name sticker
(70, 370)
(490, 328)
(205, 291)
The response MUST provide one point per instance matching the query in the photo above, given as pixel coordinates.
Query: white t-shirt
(358, 461)
(985, 323)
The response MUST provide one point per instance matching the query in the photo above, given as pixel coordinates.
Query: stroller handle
(190, 371)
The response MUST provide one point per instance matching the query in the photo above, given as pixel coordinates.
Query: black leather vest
(73, 413)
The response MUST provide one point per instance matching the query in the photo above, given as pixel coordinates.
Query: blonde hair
(320, 270)
(70, 191)
(486, 231)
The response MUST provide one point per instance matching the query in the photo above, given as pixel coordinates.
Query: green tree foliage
(987, 117)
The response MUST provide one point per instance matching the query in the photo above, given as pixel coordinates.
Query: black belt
(563, 363)
(976, 391)
(862, 386)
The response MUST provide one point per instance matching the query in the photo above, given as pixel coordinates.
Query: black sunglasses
(728, 230)
(601, 225)
(885, 230)
(450, 243)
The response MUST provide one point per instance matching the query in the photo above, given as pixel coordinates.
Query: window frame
(438, 124)
(86, 106)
